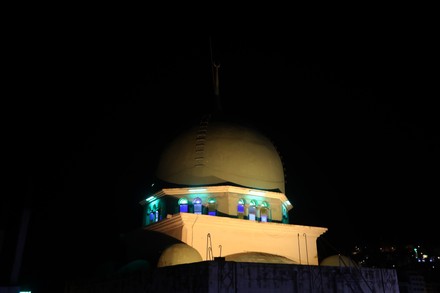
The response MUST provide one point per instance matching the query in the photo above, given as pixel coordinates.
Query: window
(212, 207)
(197, 202)
(264, 212)
(253, 210)
(285, 216)
(183, 205)
(240, 208)
(154, 214)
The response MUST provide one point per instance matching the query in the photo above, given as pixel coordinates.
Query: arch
(241, 208)
(183, 205)
(197, 203)
(253, 210)
(212, 207)
(285, 215)
(154, 215)
(264, 214)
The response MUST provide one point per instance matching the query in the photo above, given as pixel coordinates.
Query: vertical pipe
(307, 252)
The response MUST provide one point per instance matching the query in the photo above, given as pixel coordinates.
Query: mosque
(216, 219)
(224, 196)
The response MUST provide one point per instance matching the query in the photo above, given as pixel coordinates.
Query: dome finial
(215, 78)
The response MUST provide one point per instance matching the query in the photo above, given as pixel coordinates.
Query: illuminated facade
(230, 199)
(217, 221)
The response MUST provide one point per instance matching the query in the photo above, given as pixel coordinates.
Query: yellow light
(256, 192)
(197, 190)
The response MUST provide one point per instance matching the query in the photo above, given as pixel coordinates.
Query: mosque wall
(222, 276)
(295, 242)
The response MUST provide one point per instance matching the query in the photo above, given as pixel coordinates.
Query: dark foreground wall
(221, 276)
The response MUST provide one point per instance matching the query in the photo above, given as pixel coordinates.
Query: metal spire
(215, 79)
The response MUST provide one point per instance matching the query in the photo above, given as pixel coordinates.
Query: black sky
(353, 114)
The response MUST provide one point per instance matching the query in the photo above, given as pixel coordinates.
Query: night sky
(352, 112)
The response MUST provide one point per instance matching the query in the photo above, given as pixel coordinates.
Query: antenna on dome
(215, 78)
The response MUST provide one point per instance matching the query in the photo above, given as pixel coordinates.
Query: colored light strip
(151, 198)
(256, 192)
(198, 190)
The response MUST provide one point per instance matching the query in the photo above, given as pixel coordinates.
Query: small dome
(338, 261)
(177, 254)
(259, 257)
(222, 152)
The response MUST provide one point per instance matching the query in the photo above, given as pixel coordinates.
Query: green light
(183, 201)
(151, 198)
(211, 200)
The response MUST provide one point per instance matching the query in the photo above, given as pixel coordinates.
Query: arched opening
(183, 205)
(240, 208)
(197, 202)
(212, 207)
(153, 214)
(253, 210)
(285, 215)
(264, 212)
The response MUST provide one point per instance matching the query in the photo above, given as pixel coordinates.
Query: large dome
(221, 152)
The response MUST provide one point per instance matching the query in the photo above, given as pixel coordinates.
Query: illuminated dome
(338, 261)
(177, 254)
(220, 152)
